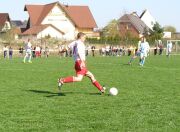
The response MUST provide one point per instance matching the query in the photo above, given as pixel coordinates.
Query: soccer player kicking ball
(137, 53)
(28, 52)
(78, 50)
(144, 50)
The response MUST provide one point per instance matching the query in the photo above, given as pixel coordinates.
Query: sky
(166, 12)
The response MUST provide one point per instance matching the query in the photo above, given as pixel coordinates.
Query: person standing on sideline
(37, 51)
(28, 52)
(5, 50)
(10, 52)
(21, 51)
(93, 50)
(33, 52)
(168, 48)
(46, 52)
(160, 47)
(78, 50)
(144, 50)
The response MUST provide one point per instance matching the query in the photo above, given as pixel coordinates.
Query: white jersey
(78, 50)
(38, 49)
(169, 47)
(144, 49)
(28, 47)
(5, 49)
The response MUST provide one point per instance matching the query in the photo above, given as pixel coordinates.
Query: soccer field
(148, 99)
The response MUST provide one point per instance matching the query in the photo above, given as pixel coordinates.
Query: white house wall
(50, 31)
(58, 18)
(148, 19)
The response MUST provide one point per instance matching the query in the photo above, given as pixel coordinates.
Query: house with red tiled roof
(4, 22)
(132, 25)
(59, 21)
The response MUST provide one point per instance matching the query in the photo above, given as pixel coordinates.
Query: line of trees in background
(169, 28)
(109, 35)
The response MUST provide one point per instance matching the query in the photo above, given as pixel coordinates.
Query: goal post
(176, 46)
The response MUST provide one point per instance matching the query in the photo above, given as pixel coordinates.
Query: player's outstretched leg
(29, 59)
(142, 61)
(132, 59)
(95, 82)
(69, 79)
(25, 57)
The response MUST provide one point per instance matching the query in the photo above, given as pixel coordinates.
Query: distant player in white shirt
(28, 52)
(78, 51)
(144, 50)
(168, 48)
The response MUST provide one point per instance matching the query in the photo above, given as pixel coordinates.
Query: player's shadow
(50, 94)
(94, 93)
(53, 94)
(126, 64)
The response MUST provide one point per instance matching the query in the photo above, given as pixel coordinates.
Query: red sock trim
(97, 85)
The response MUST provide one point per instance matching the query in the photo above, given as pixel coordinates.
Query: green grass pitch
(148, 99)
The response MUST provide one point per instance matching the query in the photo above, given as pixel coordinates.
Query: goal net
(176, 47)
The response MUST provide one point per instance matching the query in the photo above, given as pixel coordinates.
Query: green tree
(8, 36)
(156, 34)
(169, 28)
(158, 29)
(111, 30)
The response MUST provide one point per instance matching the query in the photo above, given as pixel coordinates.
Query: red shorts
(79, 69)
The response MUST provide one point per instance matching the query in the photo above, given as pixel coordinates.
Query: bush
(113, 41)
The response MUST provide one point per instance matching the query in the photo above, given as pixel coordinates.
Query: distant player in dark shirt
(10, 52)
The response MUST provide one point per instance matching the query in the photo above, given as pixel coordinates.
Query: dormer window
(6, 26)
(128, 26)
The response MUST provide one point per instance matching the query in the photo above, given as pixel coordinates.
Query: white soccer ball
(113, 91)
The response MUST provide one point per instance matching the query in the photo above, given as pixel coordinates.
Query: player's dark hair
(80, 34)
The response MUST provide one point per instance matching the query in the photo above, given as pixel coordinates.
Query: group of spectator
(116, 50)
(7, 52)
(63, 51)
(36, 52)
(158, 48)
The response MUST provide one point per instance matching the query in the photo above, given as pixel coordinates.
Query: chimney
(134, 13)
(65, 4)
